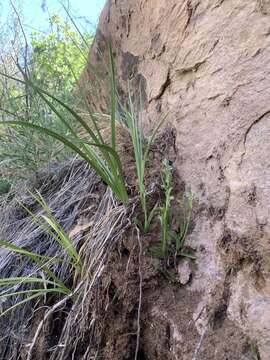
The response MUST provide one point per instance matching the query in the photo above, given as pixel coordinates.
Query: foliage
(103, 158)
(58, 57)
(141, 149)
(53, 62)
(31, 130)
(172, 242)
(254, 351)
(49, 282)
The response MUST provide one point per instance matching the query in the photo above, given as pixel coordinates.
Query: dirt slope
(207, 64)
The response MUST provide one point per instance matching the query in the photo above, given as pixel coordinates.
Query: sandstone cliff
(207, 64)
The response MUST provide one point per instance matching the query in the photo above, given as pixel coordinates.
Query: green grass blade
(63, 238)
(24, 280)
(153, 135)
(43, 92)
(51, 133)
(113, 98)
(64, 141)
(75, 25)
(19, 303)
(32, 255)
(34, 291)
(190, 256)
(36, 294)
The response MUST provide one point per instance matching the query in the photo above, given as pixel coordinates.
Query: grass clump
(172, 242)
(48, 283)
(102, 157)
(141, 147)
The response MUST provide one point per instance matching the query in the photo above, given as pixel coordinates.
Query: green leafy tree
(59, 56)
(54, 62)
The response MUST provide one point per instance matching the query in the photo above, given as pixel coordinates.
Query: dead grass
(109, 223)
(73, 194)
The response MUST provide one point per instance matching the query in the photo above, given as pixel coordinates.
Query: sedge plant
(172, 242)
(165, 209)
(102, 157)
(141, 148)
(48, 283)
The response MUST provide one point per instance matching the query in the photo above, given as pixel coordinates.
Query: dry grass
(110, 222)
(88, 211)
(73, 193)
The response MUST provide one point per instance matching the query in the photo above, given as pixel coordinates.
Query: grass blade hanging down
(41, 261)
(25, 280)
(32, 294)
(32, 291)
(55, 230)
(34, 256)
(55, 135)
(113, 94)
(39, 293)
(105, 161)
(55, 285)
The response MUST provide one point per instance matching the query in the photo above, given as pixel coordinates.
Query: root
(140, 296)
(199, 345)
(46, 316)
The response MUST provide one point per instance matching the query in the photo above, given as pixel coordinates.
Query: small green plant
(49, 283)
(254, 351)
(4, 187)
(165, 209)
(141, 147)
(172, 242)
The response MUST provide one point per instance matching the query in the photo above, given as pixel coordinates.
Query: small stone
(184, 271)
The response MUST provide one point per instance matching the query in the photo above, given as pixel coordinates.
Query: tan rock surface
(207, 62)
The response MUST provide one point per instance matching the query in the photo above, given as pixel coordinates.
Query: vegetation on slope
(42, 125)
(52, 61)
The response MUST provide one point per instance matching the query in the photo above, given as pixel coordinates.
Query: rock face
(206, 63)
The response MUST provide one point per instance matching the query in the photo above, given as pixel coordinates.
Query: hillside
(194, 282)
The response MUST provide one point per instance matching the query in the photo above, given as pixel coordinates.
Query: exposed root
(199, 345)
(140, 296)
(47, 315)
(108, 225)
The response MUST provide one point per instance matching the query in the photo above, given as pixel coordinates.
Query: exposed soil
(166, 318)
(167, 329)
(134, 310)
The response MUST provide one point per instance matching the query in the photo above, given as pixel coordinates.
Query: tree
(58, 57)
(54, 61)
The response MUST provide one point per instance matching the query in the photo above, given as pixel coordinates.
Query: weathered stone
(207, 64)
(184, 271)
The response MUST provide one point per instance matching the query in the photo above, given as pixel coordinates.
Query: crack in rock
(192, 68)
(163, 87)
(248, 131)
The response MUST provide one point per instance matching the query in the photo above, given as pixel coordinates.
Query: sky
(36, 15)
